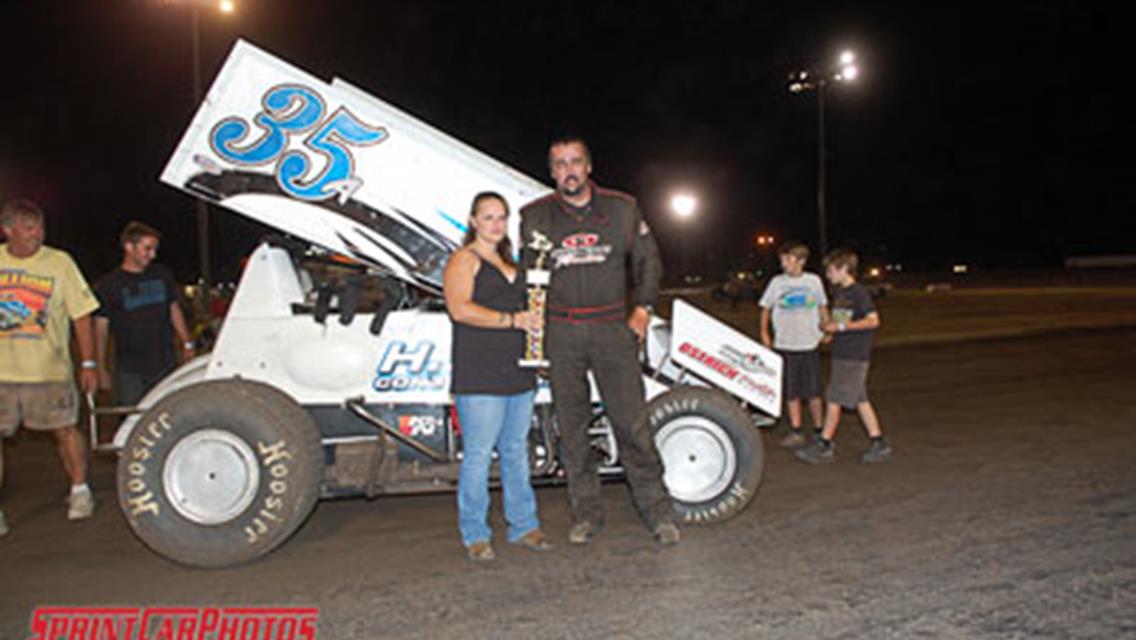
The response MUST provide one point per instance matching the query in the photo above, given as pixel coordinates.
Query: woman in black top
(485, 296)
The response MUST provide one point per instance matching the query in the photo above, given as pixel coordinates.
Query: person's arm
(766, 339)
(457, 288)
(177, 319)
(768, 299)
(102, 332)
(646, 271)
(88, 368)
(870, 321)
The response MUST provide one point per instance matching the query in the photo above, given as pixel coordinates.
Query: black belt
(580, 315)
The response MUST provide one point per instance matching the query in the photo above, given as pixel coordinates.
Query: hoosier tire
(220, 473)
(712, 455)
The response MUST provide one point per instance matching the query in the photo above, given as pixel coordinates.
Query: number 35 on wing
(290, 111)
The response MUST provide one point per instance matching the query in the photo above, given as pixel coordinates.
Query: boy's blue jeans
(501, 422)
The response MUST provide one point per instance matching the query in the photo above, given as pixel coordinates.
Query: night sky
(991, 134)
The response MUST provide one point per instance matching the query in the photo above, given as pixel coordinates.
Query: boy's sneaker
(3, 525)
(80, 505)
(819, 451)
(878, 451)
(793, 439)
(666, 533)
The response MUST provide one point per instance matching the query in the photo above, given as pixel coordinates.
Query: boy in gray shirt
(797, 306)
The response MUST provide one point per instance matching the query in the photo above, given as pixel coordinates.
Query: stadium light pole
(816, 79)
(203, 251)
(684, 205)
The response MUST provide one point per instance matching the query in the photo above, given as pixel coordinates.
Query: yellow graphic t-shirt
(39, 296)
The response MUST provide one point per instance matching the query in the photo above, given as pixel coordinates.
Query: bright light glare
(684, 205)
(849, 73)
(226, 6)
(847, 58)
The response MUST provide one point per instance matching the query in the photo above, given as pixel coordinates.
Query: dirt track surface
(914, 316)
(1010, 512)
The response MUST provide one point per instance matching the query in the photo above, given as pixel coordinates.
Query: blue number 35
(295, 109)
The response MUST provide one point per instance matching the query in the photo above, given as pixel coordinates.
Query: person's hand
(638, 322)
(104, 379)
(89, 380)
(188, 352)
(829, 327)
(827, 339)
(529, 321)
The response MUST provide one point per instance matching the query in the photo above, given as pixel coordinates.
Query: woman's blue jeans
(501, 422)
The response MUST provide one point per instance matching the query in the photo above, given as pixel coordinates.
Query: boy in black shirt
(140, 306)
(853, 324)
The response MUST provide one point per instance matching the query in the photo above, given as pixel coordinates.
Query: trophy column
(537, 278)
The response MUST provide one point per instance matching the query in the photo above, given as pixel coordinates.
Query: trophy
(537, 279)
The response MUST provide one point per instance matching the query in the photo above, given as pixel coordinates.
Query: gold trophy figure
(537, 278)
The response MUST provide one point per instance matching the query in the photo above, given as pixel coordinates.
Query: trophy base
(533, 363)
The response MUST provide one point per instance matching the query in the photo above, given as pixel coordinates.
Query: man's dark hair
(570, 138)
(842, 257)
(135, 231)
(19, 208)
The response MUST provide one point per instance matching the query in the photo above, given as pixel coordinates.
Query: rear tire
(713, 457)
(220, 473)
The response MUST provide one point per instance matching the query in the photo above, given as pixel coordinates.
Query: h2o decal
(292, 109)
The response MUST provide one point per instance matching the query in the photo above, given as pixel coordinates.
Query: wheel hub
(698, 457)
(211, 476)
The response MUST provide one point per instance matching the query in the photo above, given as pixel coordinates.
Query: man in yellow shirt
(42, 295)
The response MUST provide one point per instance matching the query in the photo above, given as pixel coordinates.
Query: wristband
(841, 327)
(89, 364)
(188, 344)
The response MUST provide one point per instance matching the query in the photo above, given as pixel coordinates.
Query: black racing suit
(592, 249)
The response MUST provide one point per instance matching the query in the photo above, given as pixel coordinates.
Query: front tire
(220, 473)
(712, 456)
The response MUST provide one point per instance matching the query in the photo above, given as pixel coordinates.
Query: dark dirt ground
(1010, 512)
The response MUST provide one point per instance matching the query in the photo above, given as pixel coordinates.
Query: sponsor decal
(274, 458)
(175, 623)
(412, 368)
(756, 386)
(711, 362)
(750, 362)
(140, 498)
(419, 426)
(579, 249)
(322, 166)
(580, 240)
(722, 366)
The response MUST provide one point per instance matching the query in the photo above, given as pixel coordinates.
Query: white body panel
(404, 196)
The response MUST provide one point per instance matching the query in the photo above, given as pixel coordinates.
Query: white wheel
(712, 456)
(698, 456)
(211, 476)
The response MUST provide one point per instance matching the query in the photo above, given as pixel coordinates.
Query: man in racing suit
(595, 233)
